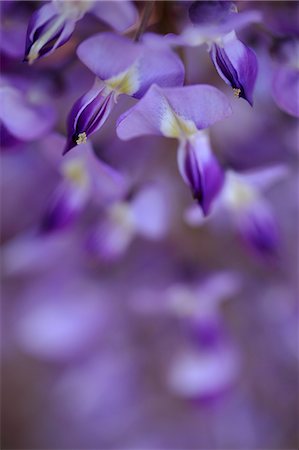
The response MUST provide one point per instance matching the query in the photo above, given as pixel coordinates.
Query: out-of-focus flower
(203, 374)
(215, 24)
(145, 213)
(83, 178)
(24, 116)
(183, 113)
(53, 24)
(285, 81)
(194, 372)
(197, 302)
(242, 202)
(121, 67)
(61, 317)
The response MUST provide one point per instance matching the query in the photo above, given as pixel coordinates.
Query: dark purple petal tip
(237, 66)
(201, 171)
(88, 115)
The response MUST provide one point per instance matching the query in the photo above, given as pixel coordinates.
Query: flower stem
(148, 9)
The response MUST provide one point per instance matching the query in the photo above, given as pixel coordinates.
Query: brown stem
(148, 9)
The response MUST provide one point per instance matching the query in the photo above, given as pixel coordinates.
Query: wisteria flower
(183, 113)
(24, 115)
(215, 24)
(53, 24)
(121, 67)
(285, 81)
(192, 372)
(143, 213)
(242, 202)
(83, 179)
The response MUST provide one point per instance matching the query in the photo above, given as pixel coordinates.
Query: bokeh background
(186, 340)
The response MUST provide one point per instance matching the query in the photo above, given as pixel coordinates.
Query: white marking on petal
(44, 38)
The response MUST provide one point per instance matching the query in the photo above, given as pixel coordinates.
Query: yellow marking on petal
(82, 138)
(239, 194)
(236, 92)
(126, 82)
(122, 214)
(75, 171)
(173, 125)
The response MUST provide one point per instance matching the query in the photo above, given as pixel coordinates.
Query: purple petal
(48, 29)
(22, 119)
(120, 15)
(108, 54)
(285, 89)
(12, 40)
(207, 12)
(221, 16)
(200, 170)
(151, 212)
(259, 231)
(152, 115)
(110, 239)
(160, 66)
(64, 207)
(237, 66)
(88, 115)
(203, 374)
(107, 184)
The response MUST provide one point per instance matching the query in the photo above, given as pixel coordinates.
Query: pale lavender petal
(203, 374)
(202, 104)
(285, 89)
(23, 119)
(237, 66)
(60, 319)
(200, 170)
(160, 66)
(108, 54)
(109, 240)
(151, 212)
(265, 177)
(120, 15)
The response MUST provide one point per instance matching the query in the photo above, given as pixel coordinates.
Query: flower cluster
(148, 224)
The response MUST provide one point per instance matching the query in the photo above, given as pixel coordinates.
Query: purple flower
(285, 89)
(200, 170)
(146, 214)
(83, 178)
(22, 117)
(285, 81)
(53, 24)
(183, 113)
(242, 202)
(215, 24)
(236, 64)
(121, 67)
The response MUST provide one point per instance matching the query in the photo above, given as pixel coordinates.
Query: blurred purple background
(128, 323)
